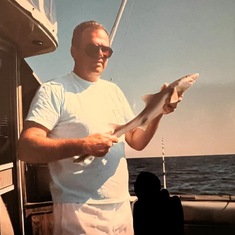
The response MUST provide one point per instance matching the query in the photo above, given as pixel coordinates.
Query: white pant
(87, 219)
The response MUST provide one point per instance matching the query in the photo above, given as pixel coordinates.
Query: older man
(70, 116)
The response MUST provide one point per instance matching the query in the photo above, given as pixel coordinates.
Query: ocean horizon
(194, 175)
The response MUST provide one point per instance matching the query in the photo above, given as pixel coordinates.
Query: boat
(29, 28)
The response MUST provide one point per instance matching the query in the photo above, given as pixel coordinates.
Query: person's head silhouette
(147, 185)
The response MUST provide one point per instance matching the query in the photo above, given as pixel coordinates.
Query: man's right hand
(98, 145)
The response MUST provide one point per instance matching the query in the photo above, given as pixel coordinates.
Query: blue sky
(156, 42)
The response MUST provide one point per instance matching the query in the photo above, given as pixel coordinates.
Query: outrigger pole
(118, 18)
(163, 165)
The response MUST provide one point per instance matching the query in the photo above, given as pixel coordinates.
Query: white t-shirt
(71, 107)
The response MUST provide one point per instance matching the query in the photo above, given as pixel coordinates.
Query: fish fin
(116, 129)
(144, 127)
(114, 126)
(148, 98)
(174, 96)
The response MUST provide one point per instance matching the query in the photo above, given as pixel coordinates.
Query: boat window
(47, 7)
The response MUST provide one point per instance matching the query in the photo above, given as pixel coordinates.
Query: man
(70, 116)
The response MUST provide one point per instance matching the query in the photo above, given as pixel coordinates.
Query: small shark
(154, 106)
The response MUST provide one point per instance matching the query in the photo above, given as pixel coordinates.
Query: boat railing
(208, 198)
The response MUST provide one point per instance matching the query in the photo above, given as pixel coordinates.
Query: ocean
(194, 175)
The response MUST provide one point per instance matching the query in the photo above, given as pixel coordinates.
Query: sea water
(195, 175)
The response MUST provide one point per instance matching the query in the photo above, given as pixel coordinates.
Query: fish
(154, 106)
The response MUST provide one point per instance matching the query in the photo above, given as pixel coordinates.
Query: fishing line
(119, 44)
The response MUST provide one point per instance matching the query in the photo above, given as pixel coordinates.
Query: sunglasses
(93, 50)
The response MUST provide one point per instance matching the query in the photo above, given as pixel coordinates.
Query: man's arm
(35, 147)
(138, 138)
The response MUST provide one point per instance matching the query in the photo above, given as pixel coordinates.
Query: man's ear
(73, 52)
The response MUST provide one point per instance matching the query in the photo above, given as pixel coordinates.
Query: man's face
(91, 65)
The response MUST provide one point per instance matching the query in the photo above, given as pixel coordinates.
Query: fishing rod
(163, 164)
(116, 23)
(118, 18)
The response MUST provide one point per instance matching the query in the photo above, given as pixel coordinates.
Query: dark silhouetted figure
(155, 211)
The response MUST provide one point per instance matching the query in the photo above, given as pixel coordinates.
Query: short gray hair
(79, 29)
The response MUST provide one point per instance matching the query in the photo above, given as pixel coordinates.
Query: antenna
(163, 164)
